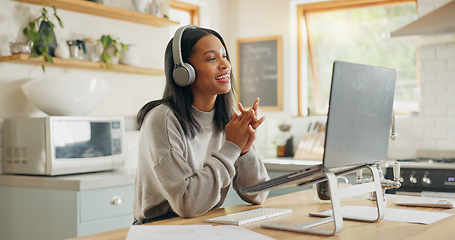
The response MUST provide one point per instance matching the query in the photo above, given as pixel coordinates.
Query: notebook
(357, 128)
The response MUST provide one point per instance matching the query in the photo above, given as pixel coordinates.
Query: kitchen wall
(129, 92)
(433, 127)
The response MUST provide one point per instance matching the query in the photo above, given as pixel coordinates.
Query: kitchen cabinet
(33, 213)
(92, 8)
(61, 207)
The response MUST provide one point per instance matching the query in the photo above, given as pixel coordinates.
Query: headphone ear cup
(184, 75)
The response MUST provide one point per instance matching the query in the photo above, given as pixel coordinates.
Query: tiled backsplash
(434, 127)
(1, 145)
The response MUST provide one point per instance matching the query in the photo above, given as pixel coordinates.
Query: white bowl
(66, 94)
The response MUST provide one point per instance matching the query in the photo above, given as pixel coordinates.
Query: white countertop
(288, 164)
(87, 181)
(75, 182)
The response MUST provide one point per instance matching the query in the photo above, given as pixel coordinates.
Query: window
(355, 31)
(184, 13)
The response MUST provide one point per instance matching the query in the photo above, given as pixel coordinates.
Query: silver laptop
(358, 124)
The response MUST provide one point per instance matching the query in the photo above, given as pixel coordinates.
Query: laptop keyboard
(250, 216)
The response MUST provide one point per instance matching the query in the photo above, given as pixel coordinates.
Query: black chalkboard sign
(260, 72)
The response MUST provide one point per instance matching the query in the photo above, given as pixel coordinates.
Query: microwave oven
(58, 145)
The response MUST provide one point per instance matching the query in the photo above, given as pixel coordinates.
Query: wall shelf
(92, 8)
(86, 65)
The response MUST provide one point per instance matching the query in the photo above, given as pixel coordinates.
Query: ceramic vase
(140, 5)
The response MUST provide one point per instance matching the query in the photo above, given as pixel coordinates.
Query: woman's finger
(258, 123)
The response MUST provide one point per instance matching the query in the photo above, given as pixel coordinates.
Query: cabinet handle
(117, 200)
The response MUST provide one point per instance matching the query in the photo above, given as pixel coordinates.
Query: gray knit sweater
(189, 176)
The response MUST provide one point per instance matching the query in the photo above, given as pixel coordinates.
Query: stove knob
(426, 180)
(412, 179)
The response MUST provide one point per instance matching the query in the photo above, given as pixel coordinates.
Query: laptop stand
(335, 195)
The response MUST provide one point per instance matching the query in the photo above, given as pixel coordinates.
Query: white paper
(192, 232)
(171, 232)
(230, 232)
(397, 215)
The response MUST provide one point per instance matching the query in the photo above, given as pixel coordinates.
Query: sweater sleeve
(189, 193)
(250, 170)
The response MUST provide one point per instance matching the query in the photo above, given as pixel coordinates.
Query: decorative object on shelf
(141, 5)
(94, 49)
(19, 47)
(67, 94)
(41, 34)
(112, 49)
(154, 8)
(62, 51)
(77, 49)
(165, 8)
(131, 56)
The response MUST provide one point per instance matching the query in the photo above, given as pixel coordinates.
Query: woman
(192, 144)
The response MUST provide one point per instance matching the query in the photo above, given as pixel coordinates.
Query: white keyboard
(250, 216)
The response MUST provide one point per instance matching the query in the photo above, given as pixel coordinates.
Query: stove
(425, 174)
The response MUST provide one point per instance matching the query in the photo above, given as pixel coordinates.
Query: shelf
(92, 8)
(86, 65)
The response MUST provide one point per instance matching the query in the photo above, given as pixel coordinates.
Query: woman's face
(213, 70)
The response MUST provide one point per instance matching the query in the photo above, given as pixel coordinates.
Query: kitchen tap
(385, 183)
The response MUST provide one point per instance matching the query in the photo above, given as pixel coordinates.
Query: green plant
(41, 33)
(112, 49)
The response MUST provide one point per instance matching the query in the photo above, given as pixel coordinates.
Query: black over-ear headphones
(183, 73)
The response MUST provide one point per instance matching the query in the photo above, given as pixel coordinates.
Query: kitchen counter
(77, 182)
(288, 164)
(118, 177)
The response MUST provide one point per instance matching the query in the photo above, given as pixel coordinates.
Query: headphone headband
(177, 44)
(183, 73)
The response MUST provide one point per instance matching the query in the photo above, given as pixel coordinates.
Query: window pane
(183, 17)
(361, 35)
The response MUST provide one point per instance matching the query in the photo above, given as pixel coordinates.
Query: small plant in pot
(112, 49)
(41, 34)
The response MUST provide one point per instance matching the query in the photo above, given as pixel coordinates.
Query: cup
(321, 190)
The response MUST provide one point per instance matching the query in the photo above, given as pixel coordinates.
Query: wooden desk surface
(302, 203)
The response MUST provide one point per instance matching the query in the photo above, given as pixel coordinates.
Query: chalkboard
(260, 72)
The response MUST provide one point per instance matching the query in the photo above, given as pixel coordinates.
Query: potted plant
(41, 34)
(112, 49)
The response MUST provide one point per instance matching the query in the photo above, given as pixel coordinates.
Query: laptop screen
(360, 110)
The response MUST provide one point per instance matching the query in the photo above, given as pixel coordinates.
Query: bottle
(165, 7)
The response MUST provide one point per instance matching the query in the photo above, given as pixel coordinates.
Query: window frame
(192, 10)
(302, 31)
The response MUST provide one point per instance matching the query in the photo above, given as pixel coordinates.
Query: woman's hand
(239, 130)
(254, 123)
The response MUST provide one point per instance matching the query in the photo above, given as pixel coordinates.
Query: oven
(426, 176)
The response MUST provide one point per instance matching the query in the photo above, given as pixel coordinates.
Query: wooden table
(302, 203)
